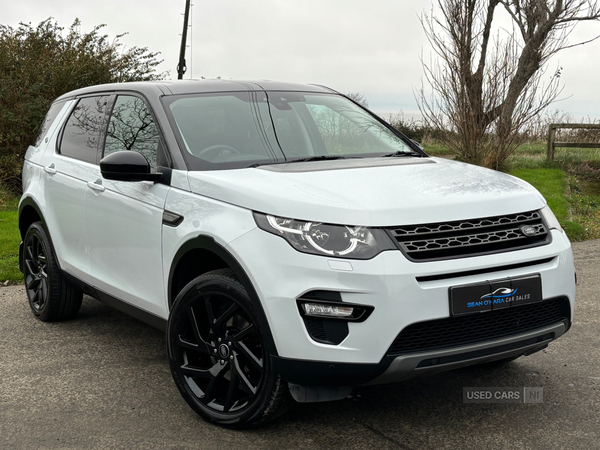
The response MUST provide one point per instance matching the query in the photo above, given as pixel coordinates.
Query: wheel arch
(29, 212)
(202, 254)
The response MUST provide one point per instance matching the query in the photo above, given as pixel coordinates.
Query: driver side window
(131, 127)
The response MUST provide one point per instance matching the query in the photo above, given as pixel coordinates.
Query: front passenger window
(131, 127)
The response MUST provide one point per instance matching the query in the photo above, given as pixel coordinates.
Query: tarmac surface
(102, 381)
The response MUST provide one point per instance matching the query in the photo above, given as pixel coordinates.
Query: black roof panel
(177, 87)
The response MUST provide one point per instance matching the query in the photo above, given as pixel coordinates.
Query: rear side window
(48, 120)
(131, 127)
(83, 130)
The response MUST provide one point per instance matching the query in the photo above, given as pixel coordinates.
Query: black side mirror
(127, 165)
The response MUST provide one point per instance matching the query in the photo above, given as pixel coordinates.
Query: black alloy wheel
(217, 354)
(36, 272)
(51, 298)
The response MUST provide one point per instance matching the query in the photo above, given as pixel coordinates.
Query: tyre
(217, 354)
(50, 296)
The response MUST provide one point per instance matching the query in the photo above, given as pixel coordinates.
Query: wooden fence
(576, 126)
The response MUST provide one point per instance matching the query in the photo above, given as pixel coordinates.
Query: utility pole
(181, 67)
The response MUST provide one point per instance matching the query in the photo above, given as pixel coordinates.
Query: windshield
(239, 129)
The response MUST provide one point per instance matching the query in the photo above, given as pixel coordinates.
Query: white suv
(291, 243)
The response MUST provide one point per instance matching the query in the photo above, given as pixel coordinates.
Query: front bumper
(401, 292)
(393, 369)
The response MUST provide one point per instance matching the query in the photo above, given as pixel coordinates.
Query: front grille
(470, 329)
(463, 238)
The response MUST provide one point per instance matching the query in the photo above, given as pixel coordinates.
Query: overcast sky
(367, 46)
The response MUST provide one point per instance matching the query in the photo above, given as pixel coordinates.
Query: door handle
(50, 169)
(96, 185)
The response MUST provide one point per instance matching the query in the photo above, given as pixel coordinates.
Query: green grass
(579, 169)
(552, 184)
(533, 156)
(433, 148)
(582, 168)
(578, 212)
(9, 239)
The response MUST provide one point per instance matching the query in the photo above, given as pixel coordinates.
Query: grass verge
(552, 184)
(9, 239)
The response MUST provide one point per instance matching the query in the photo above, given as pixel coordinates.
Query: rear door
(67, 172)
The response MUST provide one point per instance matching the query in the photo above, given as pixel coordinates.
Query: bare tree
(358, 98)
(489, 81)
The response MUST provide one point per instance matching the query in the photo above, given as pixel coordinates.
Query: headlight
(355, 242)
(550, 218)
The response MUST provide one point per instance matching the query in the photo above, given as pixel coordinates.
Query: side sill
(139, 314)
(143, 316)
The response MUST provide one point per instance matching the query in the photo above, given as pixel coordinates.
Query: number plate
(495, 294)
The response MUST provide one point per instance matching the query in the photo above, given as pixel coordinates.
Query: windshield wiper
(399, 154)
(316, 158)
(310, 158)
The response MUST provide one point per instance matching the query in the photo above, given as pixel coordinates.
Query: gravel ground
(102, 382)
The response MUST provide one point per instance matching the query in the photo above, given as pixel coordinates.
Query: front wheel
(217, 354)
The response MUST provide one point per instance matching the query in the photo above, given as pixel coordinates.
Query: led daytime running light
(327, 239)
(273, 222)
(320, 310)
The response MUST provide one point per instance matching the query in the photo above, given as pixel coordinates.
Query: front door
(124, 218)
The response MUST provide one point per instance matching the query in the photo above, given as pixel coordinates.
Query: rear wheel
(51, 297)
(217, 354)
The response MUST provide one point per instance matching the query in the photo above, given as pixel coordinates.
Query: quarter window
(45, 125)
(81, 135)
(131, 127)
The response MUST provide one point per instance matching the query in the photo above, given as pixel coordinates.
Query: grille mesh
(463, 330)
(471, 237)
(316, 329)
